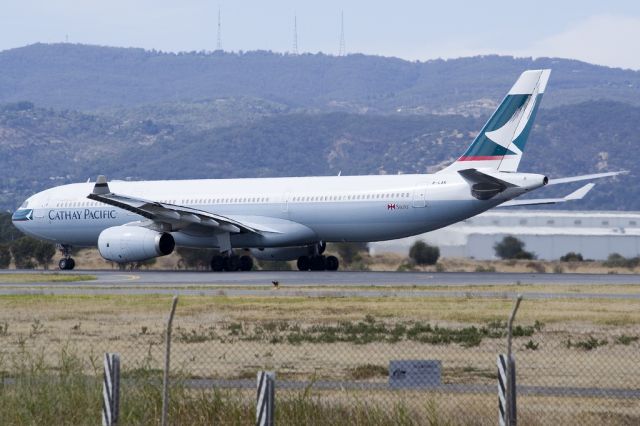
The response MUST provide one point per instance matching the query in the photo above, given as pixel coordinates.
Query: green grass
(368, 330)
(587, 344)
(44, 278)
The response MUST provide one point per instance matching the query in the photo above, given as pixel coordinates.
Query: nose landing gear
(66, 263)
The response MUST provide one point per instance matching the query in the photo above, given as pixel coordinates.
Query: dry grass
(233, 337)
(90, 259)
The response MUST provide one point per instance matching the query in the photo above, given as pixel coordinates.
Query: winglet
(101, 187)
(575, 195)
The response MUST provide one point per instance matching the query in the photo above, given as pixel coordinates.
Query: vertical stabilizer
(501, 142)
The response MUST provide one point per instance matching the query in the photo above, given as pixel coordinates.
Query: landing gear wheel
(332, 263)
(246, 263)
(318, 263)
(217, 264)
(67, 264)
(232, 263)
(304, 263)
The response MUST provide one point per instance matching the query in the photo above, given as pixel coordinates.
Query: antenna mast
(295, 34)
(343, 50)
(219, 43)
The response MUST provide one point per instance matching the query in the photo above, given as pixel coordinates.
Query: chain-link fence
(367, 359)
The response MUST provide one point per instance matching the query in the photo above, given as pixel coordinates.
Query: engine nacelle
(134, 244)
(281, 253)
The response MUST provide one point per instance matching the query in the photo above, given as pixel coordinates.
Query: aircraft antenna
(219, 43)
(343, 50)
(295, 34)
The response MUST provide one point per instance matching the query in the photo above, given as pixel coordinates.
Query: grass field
(561, 342)
(44, 278)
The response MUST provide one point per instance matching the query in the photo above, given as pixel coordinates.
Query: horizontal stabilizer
(575, 195)
(586, 177)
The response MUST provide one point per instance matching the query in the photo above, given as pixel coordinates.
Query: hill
(43, 147)
(82, 77)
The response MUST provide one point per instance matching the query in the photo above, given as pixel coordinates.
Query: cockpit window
(25, 205)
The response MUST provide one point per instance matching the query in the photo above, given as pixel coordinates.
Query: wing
(575, 195)
(173, 216)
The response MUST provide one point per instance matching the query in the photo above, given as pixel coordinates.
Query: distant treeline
(26, 252)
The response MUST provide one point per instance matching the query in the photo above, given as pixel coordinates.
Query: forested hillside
(44, 147)
(70, 112)
(82, 77)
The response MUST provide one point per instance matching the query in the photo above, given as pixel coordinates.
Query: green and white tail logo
(501, 142)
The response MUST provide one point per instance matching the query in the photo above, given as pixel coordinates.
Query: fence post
(266, 398)
(507, 376)
(167, 358)
(111, 389)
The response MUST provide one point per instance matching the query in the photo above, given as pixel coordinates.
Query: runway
(323, 284)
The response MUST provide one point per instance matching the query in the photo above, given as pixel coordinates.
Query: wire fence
(358, 360)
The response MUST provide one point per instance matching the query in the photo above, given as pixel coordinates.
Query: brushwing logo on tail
(507, 134)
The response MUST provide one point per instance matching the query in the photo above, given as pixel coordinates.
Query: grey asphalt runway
(319, 284)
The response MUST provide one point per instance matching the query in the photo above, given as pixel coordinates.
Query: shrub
(512, 248)
(616, 260)
(424, 254)
(571, 257)
(5, 256)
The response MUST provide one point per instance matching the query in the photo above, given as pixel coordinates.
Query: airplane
(293, 218)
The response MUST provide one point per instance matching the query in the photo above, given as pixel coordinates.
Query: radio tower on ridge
(343, 50)
(219, 43)
(295, 35)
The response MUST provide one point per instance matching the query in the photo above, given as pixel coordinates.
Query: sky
(600, 32)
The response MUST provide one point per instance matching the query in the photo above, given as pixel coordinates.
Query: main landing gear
(318, 263)
(66, 263)
(231, 263)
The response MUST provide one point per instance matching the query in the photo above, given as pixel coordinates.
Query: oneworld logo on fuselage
(85, 214)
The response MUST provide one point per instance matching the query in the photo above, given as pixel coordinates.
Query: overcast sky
(601, 32)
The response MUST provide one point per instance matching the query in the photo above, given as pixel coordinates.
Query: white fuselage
(294, 211)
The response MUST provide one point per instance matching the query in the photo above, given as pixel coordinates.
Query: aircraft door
(420, 196)
(40, 213)
(284, 206)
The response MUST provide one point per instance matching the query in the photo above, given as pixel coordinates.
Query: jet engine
(134, 244)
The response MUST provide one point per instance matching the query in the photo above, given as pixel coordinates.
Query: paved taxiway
(321, 284)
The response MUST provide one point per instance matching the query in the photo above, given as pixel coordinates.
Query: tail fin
(500, 143)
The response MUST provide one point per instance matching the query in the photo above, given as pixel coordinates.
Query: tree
(8, 232)
(571, 257)
(43, 253)
(5, 256)
(424, 254)
(23, 250)
(512, 248)
(351, 252)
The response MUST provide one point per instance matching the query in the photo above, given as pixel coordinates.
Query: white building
(549, 234)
